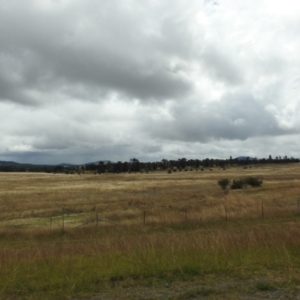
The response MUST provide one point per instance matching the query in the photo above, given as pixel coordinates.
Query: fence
(152, 217)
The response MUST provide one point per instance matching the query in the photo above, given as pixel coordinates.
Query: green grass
(265, 286)
(57, 270)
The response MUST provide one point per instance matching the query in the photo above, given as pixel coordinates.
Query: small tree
(254, 181)
(238, 184)
(223, 183)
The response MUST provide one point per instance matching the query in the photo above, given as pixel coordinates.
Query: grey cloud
(235, 117)
(34, 157)
(72, 155)
(115, 79)
(101, 53)
(10, 92)
(134, 80)
(222, 66)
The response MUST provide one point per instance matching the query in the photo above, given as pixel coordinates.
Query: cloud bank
(84, 81)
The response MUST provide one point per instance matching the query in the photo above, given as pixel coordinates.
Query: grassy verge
(62, 266)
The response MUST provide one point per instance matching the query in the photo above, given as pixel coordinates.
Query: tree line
(134, 165)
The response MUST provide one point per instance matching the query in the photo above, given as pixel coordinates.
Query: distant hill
(66, 165)
(8, 163)
(13, 164)
(239, 158)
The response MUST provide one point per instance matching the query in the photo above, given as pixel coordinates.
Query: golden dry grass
(31, 199)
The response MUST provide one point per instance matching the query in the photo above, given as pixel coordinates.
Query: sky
(84, 81)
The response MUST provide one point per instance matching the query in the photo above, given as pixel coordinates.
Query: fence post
(144, 217)
(262, 210)
(63, 220)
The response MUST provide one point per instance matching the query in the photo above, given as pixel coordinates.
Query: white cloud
(113, 80)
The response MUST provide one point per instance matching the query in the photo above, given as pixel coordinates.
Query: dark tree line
(134, 165)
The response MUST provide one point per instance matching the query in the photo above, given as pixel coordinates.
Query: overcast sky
(84, 81)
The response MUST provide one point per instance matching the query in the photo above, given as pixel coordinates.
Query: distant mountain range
(66, 165)
(90, 163)
(21, 165)
(12, 163)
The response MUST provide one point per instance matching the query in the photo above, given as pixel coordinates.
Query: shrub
(242, 182)
(253, 181)
(223, 183)
(238, 184)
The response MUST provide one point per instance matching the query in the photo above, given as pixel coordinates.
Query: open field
(150, 236)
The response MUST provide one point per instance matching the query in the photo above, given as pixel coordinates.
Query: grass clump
(265, 286)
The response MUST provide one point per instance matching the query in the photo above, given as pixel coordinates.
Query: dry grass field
(125, 236)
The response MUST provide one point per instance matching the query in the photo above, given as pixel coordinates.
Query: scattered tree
(223, 183)
(238, 184)
(253, 181)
